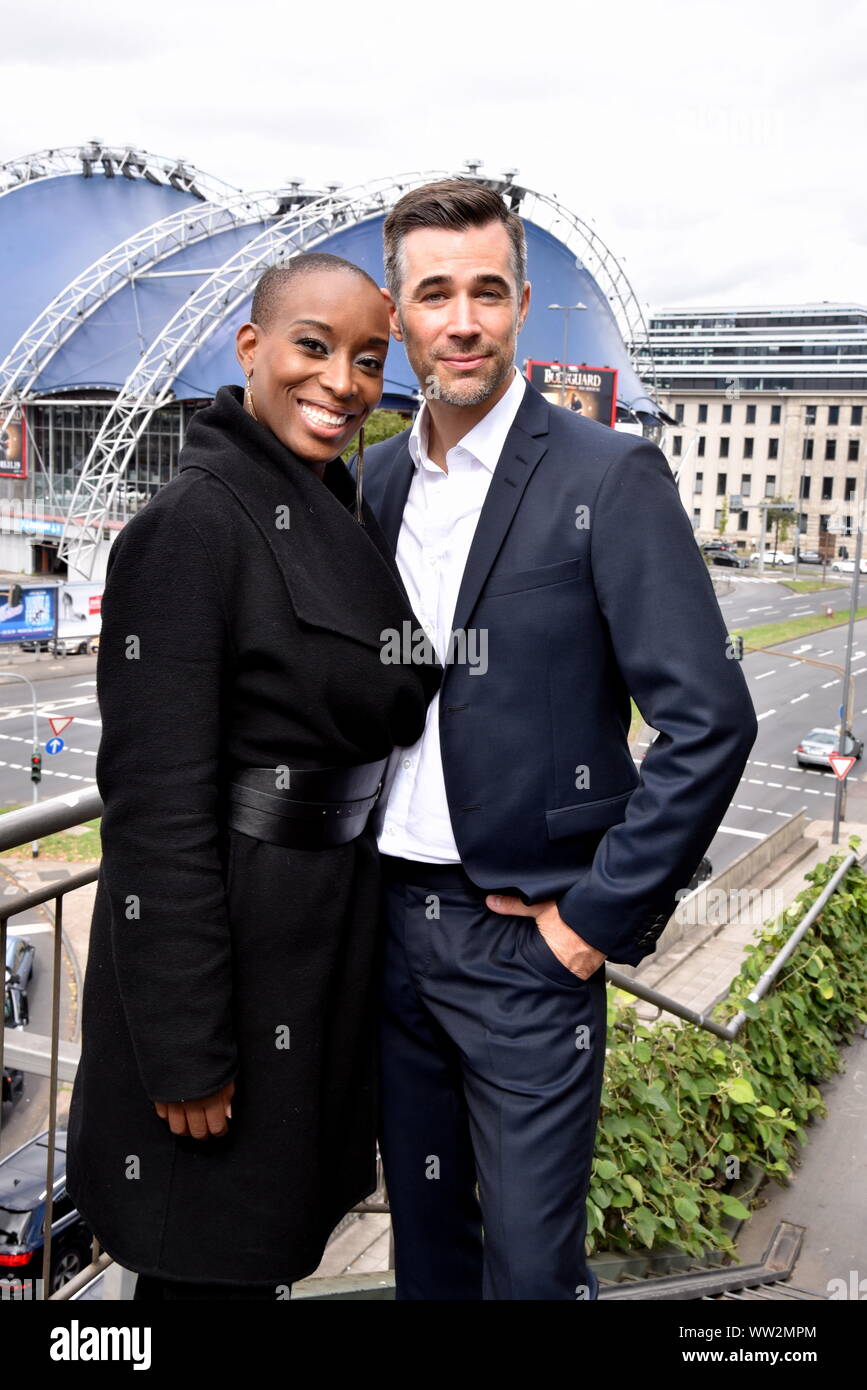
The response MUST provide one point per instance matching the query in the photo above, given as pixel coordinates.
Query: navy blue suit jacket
(585, 573)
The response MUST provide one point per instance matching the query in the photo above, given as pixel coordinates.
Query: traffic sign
(58, 725)
(841, 764)
(55, 745)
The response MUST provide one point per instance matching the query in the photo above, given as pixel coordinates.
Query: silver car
(814, 750)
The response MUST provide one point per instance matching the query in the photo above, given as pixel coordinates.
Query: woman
(223, 1115)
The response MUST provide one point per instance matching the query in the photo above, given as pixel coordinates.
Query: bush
(684, 1113)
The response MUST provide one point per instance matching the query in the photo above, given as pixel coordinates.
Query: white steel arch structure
(57, 323)
(149, 386)
(122, 160)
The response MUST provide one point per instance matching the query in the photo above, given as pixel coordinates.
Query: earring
(359, 475)
(248, 398)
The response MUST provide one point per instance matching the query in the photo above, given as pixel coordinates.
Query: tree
(379, 425)
(724, 516)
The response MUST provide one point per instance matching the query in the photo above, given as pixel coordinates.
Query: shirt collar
(486, 439)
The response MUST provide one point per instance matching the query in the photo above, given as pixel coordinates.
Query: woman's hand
(199, 1119)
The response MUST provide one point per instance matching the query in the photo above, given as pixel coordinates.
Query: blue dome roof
(54, 228)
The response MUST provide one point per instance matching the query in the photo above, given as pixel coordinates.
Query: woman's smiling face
(317, 364)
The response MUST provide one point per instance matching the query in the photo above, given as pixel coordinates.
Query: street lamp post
(565, 310)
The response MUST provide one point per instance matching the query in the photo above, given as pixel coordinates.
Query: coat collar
(338, 574)
(526, 443)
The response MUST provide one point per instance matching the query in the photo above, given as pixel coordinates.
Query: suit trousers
(492, 1055)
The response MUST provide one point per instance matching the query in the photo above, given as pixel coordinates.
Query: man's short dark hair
(455, 204)
(273, 281)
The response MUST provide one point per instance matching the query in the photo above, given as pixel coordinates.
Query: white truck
(79, 618)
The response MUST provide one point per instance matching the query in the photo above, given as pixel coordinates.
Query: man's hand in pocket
(570, 949)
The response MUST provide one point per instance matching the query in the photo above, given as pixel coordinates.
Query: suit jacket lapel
(526, 443)
(394, 495)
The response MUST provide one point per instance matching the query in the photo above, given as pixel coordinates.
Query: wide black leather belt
(319, 808)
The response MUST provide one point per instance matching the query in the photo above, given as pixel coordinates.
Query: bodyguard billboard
(590, 391)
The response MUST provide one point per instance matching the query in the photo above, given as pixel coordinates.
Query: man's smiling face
(460, 310)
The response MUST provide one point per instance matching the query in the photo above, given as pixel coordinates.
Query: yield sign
(58, 725)
(840, 764)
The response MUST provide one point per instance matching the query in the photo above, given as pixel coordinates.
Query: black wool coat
(243, 620)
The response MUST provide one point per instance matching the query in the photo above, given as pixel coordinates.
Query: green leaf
(606, 1170)
(740, 1090)
(732, 1207)
(686, 1208)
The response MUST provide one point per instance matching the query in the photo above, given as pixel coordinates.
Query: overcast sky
(720, 148)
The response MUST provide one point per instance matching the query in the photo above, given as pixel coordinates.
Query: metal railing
(57, 1060)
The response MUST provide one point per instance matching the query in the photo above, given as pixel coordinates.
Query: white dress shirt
(439, 521)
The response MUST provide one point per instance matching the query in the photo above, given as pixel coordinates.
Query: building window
(696, 518)
(742, 521)
(857, 412)
(702, 414)
(717, 518)
(746, 484)
(853, 451)
(810, 414)
(827, 489)
(699, 482)
(748, 447)
(724, 446)
(776, 414)
(726, 414)
(824, 518)
(770, 484)
(805, 487)
(808, 449)
(678, 412)
(833, 414)
(721, 484)
(803, 520)
(751, 414)
(773, 448)
(676, 441)
(701, 446)
(830, 448)
(851, 487)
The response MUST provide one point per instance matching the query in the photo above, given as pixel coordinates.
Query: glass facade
(60, 436)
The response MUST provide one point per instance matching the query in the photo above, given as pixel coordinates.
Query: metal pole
(565, 354)
(16, 676)
(846, 698)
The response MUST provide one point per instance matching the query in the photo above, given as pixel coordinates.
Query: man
(552, 564)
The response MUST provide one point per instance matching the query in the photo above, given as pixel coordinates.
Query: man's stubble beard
(470, 392)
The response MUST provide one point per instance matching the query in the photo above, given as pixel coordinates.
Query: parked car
(814, 750)
(702, 873)
(30, 644)
(773, 557)
(848, 567)
(13, 1084)
(809, 557)
(20, 954)
(23, 1175)
(730, 559)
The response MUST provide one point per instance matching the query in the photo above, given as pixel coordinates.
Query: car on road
(848, 567)
(12, 1084)
(809, 557)
(20, 954)
(773, 557)
(23, 1175)
(814, 750)
(729, 559)
(708, 546)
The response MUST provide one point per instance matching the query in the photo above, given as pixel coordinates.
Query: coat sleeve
(671, 644)
(163, 659)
